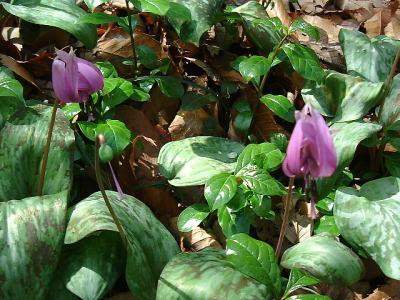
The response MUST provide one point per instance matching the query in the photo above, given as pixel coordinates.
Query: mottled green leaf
(344, 97)
(346, 137)
(157, 7)
(207, 275)
(150, 245)
(203, 16)
(92, 4)
(280, 106)
(192, 216)
(309, 297)
(368, 219)
(99, 18)
(297, 280)
(31, 237)
(369, 58)
(326, 259)
(21, 149)
(255, 259)
(391, 108)
(263, 31)
(63, 14)
(193, 161)
(304, 61)
(90, 267)
(307, 28)
(219, 190)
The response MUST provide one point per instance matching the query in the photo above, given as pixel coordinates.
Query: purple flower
(74, 79)
(310, 150)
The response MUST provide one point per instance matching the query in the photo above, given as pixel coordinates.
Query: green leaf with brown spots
(22, 140)
(150, 245)
(31, 237)
(207, 275)
(368, 219)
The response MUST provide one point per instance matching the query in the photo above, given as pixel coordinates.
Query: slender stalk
(285, 221)
(135, 60)
(103, 192)
(274, 54)
(46, 150)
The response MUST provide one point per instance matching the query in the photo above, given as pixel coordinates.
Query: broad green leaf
(203, 16)
(107, 69)
(326, 259)
(157, 7)
(63, 14)
(369, 58)
(344, 97)
(147, 56)
(243, 121)
(178, 14)
(304, 61)
(116, 134)
(70, 110)
(262, 206)
(207, 275)
(263, 31)
(255, 259)
(219, 190)
(31, 238)
(115, 91)
(297, 280)
(193, 161)
(192, 216)
(261, 182)
(254, 67)
(392, 163)
(368, 219)
(90, 267)
(280, 140)
(150, 245)
(88, 129)
(92, 4)
(239, 201)
(346, 137)
(309, 297)
(280, 106)
(264, 155)
(307, 28)
(391, 109)
(170, 86)
(327, 224)
(99, 18)
(11, 98)
(233, 222)
(22, 140)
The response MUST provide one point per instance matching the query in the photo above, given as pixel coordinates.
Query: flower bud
(74, 79)
(311, 150)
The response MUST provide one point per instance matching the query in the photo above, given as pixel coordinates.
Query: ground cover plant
(208, 149)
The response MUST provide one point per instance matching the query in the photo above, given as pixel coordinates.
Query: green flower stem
(135, 60)
(274, 54)
(103, 192)
(46, 150)
(285, 221)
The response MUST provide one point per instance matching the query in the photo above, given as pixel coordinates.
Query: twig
(46, 149)
(285, 221)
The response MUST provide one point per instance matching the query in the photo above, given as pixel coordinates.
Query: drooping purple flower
(74, 79)
(310, 151)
